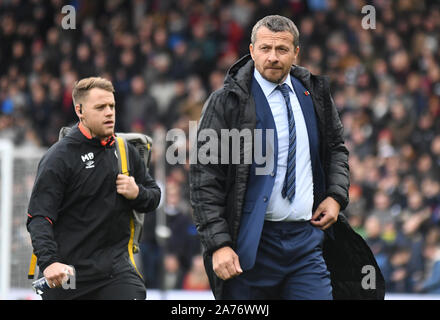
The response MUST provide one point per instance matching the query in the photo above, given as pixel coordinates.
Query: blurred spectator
(139, 107)
(424, 133)
(382, 208)
(196, 278)
(172, 273)
(150, 252)
(431, 284)
(216, 79)
(192, 106)
(175, 106)
(379, 247)
(361, 145)
(415, 216)
(435, 150)
(183, 242)
(356, 209)
(401, 123)
(415, 224)
(426, 168)
(161, 87)
(40, 110)
(399, 280)
(84, 63)
(431, 192)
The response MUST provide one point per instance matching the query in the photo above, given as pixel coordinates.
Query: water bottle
(40, 286)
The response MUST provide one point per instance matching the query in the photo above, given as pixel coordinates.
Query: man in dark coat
(263, 233)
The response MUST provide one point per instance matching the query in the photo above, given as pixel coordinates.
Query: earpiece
(80, 108)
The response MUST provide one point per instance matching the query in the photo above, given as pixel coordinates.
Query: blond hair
(83, 86)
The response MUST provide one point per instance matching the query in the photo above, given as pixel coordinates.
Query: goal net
(17, 175)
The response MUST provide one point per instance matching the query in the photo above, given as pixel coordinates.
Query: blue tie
(289, 181)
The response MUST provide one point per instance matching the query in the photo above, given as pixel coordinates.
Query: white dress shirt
(279, 208)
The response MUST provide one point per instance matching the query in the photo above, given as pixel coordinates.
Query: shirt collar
(84, 131)
(104, 142)
(267, 86)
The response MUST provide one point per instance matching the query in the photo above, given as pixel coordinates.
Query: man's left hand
(127, 187)
(326, 214)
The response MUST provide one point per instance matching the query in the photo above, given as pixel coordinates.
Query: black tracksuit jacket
(75, 215)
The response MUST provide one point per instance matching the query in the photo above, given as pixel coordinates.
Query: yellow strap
(124, 168)
(32, 266)
(123, 155)
(130, 246)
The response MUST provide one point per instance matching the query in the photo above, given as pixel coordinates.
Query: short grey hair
(276, 23)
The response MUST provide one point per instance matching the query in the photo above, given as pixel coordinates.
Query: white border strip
(7, 172)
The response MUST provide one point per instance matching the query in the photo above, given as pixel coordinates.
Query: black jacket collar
(80, 136)
(239, 76)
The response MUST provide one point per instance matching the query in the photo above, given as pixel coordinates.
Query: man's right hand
(57, 273)
(225, 263)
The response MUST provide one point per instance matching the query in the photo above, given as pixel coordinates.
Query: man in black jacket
(263, 235)
(80, 207)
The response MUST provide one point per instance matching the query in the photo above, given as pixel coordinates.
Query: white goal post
(6, 173)
(18, 167)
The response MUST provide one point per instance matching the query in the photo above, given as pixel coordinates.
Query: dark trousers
(289, 266)
(123, 286)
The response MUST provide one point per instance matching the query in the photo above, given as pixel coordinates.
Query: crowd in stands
(165, 57)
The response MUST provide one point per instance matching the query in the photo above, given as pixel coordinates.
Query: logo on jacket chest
(88, 160)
